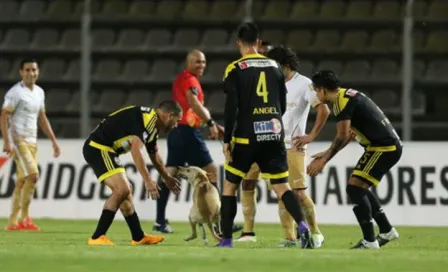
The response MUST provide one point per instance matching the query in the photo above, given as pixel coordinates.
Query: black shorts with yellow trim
(103, 160)
(270, 156)
(376, 162)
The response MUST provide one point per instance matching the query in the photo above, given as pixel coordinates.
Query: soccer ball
(193, 119)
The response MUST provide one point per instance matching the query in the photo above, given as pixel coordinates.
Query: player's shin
(378, 214)
(27, 195)
(287, 221)
(16, 198)
(362, 210)
(248, 202)
(131, 217)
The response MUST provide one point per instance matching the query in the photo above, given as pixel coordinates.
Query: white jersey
(298, 101)
(25, 105)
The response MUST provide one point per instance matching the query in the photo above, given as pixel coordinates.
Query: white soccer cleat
(384, 238)
(246, 238)
(318, 239)
(363, 244)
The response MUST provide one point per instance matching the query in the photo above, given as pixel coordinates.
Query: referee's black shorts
(270, 156)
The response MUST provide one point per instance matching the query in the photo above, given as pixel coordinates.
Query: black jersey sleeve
(231, 105)
(344, 107)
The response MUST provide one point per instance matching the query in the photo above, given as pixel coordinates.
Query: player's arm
(196, 105)
(231, 105)
(9, 105)
(44, 124)
(172, 183)
(322, 114)
(343, 137)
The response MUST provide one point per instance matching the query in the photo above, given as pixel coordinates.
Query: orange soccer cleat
(28, 224)
(148, 240)
(13, 227)
(100, 241)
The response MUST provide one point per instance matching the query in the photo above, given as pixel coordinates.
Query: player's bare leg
(25, 222)
(131, 217)
(120, 191)
(356, 190)
(15, 209)
(248, 202)
(291, 203)
(309, 212)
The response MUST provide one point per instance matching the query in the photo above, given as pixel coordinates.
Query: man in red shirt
(185, 143)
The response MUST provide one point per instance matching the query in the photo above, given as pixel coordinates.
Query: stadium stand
(139, 46)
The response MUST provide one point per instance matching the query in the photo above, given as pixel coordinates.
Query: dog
(206, 202)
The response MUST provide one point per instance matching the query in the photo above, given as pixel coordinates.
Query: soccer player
(382, 150)
(23, 109)
(129, 129)
(254, 132)
(299, 99)
(185, 143)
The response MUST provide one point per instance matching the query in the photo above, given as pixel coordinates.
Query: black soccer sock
(135, 227)
(162, 201)
(228, 213)
(292, 206)
(106, 219)
(378, 214)
(362, 210)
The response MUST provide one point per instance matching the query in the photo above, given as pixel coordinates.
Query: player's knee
(249, 185)
(122, 192)
(229, 188)
(32, 178)
(19, 184)
(355, 193)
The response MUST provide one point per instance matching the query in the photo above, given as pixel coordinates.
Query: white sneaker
(246, 238)
(318, 239)
(363, 244)
(384, 238)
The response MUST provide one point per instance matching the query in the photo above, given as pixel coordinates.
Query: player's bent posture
(254, 133)
(383, 148)
(129, 129)
(24, 109)
(299, 99)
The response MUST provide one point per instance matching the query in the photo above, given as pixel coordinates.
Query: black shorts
(103, 160)
(270, 156)
(376, 162)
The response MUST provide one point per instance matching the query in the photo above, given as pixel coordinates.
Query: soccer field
(61, 246)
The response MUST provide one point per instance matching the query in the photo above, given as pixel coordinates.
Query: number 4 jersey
(256, 100)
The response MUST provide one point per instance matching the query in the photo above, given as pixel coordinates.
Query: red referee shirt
(186, 81)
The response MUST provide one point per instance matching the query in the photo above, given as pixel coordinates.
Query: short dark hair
(284, 56)
(326, 79)
(248, 33)
(25, 61)
(266, 43)
(170, 106)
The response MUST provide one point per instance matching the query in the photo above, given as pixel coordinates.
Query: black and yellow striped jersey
(116, 131)
(256, 99)
(368, 121)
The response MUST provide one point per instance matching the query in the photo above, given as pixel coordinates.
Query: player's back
(261, 92)
(368, 121)
(117, 129)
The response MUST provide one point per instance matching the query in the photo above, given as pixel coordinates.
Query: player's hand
(152, 189)
(300, 141)
(227, 152)
(7, 148)
(220, 132)
(316, 167)
(214, 133)
(56, 150)
(173, 184)
(352, 135)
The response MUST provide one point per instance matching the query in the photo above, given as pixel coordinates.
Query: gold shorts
(25, 158)
(297, 170)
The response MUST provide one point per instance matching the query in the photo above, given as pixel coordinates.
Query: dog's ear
(203, 175)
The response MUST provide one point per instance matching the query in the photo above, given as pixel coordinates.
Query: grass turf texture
(61, 246)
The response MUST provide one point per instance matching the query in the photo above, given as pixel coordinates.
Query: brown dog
(206, 202)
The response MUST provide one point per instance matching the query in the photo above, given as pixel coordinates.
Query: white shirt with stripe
(298, 101)
(25, 105)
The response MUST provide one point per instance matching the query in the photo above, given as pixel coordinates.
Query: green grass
(61, 246)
